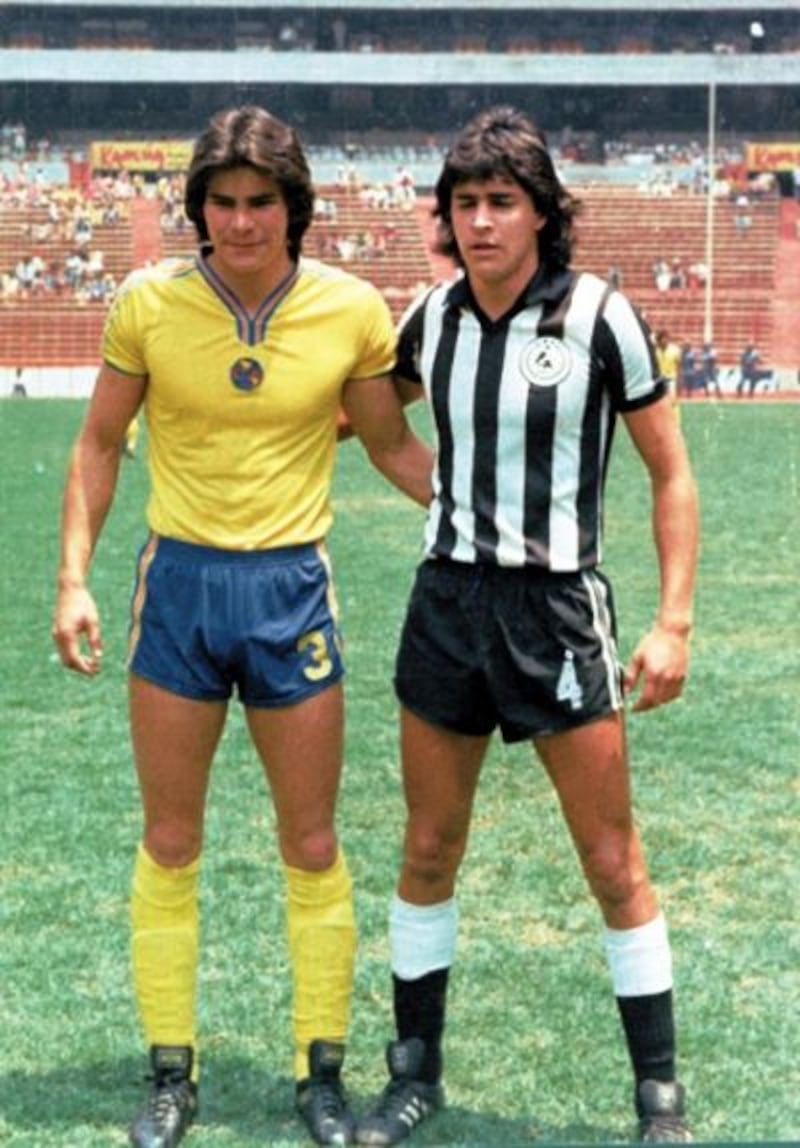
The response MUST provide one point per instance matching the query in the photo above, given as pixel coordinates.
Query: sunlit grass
(534, 1050)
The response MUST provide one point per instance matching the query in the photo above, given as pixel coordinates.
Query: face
(496, 228)
(247, 221)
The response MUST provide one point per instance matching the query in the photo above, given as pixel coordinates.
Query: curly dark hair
(250, 136)
(502, 141)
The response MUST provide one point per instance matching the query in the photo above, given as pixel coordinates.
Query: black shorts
(526, 650)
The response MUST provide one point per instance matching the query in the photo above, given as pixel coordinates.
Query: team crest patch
(246, 374)
(545, 361)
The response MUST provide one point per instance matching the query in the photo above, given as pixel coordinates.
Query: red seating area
(626, 229)
(403, 264)
(398, 271)
(115, 241)
(54, 329)
(50, 333)
(631, 230)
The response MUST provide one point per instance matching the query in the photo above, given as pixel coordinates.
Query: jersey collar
(546, 286)
(251, 327)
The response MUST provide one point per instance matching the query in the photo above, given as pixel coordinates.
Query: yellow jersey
(668, 359)
(241, 407)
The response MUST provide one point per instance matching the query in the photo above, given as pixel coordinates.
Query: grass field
(534, 1050)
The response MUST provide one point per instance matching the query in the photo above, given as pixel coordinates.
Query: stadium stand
(358, 66)
(461, 27)
(610, 92)
(51, 333)
(636, 231)
(629, 229)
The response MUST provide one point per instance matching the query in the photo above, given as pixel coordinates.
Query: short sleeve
(378, 349)
(122, 340)
(410, 341)
(629, 355)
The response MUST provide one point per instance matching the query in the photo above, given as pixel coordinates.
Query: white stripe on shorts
(601, 622)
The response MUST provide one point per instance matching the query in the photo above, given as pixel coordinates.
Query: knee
(172, 844)
(615, 872)
(431, 855)
(313, 851)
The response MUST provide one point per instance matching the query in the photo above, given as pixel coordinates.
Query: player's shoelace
(328, 1100)
(323, 1106)
(170, 1109)
(401, 1101)
(168, 1099)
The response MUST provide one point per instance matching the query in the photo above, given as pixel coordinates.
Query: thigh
(588, 767)
(439, 671)
(554, 663)
(171, 610)
(174, 741)
(301, 749)
(440, 777)
(288, 645)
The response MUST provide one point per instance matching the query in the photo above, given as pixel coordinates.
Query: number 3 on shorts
(321, 665)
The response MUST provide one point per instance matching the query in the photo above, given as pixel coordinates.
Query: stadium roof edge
(752, 6)
(254, 66)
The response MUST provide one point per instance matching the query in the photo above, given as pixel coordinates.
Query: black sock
(650, 1033)
(419, 1008)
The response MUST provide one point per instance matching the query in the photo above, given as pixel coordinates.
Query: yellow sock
(322, 945)
(166, 926)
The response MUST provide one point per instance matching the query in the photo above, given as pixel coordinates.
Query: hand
(660, 663)
(344, 428)
(76, 617)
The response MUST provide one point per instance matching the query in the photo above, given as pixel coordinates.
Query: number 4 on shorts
(569, 688)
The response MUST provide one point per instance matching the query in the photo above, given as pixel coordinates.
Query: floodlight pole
(708, 325)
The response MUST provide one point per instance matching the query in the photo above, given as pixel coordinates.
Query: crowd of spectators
(59, 248)
(59, 253)
(382, 195)
(78, 276)
(362, 245)
(169, 190)
(672, 275)
(13, 141)
(370, 240)
(52, 231)
(670, 168)
(692, 371)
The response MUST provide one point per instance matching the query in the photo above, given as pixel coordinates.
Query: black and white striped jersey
(524, 410)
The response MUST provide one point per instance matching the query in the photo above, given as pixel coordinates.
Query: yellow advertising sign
(140, 155)
(773, 156)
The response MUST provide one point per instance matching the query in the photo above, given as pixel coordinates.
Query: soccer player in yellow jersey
(241, 359)
(668, 360)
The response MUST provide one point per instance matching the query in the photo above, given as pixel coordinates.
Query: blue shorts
(204, 621)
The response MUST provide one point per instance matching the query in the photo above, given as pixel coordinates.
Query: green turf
(534, 1050)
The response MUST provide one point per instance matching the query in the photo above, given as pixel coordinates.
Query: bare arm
(88, 494)
(407, 392)
(375, 411)
(661, 660)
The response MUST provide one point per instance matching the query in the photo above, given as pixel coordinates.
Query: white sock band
(640, 959)
(422, 937)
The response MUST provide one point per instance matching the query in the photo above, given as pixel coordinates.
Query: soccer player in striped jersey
(241, 358)
(527, 365)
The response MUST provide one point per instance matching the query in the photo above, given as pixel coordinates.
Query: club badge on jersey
(545, 361)
(246, 374)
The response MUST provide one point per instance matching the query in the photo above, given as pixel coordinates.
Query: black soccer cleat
(405, 1101)
(320, 1098)
(661, 1107)
(172, 1105)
